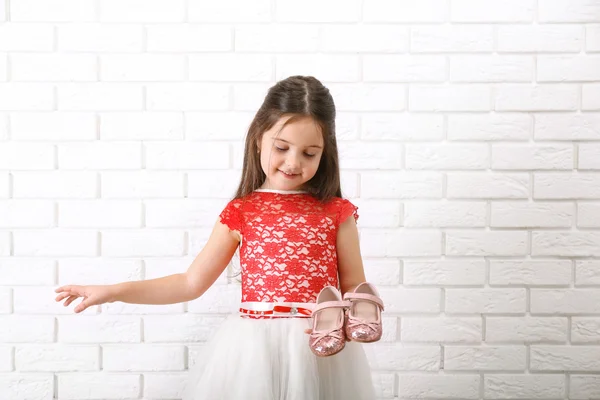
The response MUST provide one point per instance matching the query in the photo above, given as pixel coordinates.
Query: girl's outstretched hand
(92, 295)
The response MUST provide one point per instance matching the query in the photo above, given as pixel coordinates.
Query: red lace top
(288, 250)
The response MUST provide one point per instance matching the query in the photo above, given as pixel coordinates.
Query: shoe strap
(331, 304)
(364, 296)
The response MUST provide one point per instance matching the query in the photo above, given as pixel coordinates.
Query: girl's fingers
(62, 296)
(81, 307)
(70, 300)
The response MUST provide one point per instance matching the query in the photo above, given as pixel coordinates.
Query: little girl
(297, 238)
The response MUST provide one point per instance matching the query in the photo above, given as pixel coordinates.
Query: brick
(6, 301)
(564, 358)
(561, 68)
(99, 156)
(218, 299)
(585, 330)
(179, 328)
(394, 11)
(53, 126)
(590, 96)
(141, 126)
(55, 242)
(404, 68)
(550, 156)
(5, 244)
(142, 67)
(230, 11)
(189, 38)
(411, 300)
(584, 185)
(328, 67)
(382, 272)
(444, 272)
(100, 97)
(52, 10)
(143, 357)
(492, 11)
(142, 243)
(405, 358)
(224, 67)
(3, 127)
(379, 213)
(369, 155)
(465, 358)
(560, 243)
(565, 301)
(250, 96)
(450, 39)
(485, 301)
(3, 67)
(57, 358)
(6, 360)
(439, 386)
(20, 271)
(187, 155)
(276, 38)
(589, 156)
(166, 385)
(402, 127)
(100, 214)
(212, 184)
(567, 126)
(475, 185)
(400, 243)
(142, 10)
(542, 97)
(530, 272)
(27, 386)
(587, 272)
(363, 38)
(588, 215)
(26, 37)
(369, 97)
(450, 98)
(17, 329)
(26, 96)
(444, 214)
(491, 127)
(568, 11)
(50, 67)
(182, 213)
(96, 386)
(484, 68)
(50, 185)
(331, 11)
(486, 243)
(401, 185)
(98, 271)
(27, 214)
(447, 156)
(187, 97)
(99, 328)
(584, 387)
(142, 184)
(26, 156)
(592, 37)
(217, 126)
(440, 329)
(524, 386)
(537, 215)
(539, 38)
(100, 38)
(526, 329)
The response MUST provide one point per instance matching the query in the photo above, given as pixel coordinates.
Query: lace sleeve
(346, 209)
(231, 215)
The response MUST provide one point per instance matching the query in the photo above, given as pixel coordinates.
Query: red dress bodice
(288, 250)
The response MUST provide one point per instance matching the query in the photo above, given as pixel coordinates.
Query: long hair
(301, 96)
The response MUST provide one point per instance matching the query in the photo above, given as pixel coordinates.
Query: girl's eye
(280, 149)
(309, 155)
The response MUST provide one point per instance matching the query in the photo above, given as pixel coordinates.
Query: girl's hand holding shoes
(93, 295)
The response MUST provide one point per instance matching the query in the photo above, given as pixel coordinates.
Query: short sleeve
(346, 209)
(231, 215)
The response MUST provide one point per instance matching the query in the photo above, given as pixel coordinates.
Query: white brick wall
(469, 134)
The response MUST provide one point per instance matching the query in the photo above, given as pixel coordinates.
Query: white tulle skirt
(269, 359)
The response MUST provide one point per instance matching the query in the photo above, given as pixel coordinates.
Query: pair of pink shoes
(357, 318)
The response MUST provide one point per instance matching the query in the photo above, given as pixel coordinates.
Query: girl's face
(290, 157)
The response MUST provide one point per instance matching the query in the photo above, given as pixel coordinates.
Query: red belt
(276, 310)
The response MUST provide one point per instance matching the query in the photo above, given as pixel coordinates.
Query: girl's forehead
(301, 131)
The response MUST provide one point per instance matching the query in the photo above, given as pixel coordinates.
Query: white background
(469, 135)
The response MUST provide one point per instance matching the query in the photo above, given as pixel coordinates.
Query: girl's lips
(289, 176)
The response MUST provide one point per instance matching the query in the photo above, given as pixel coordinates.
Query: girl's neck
(280, 191)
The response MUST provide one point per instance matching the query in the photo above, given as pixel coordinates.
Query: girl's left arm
(350, 265)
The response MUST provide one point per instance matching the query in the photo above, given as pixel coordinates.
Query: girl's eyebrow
(312, 145)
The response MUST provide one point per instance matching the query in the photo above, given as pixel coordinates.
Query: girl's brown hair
(301, 96)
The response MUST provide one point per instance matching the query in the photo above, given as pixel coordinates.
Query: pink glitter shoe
(327, 337)
(364, 316)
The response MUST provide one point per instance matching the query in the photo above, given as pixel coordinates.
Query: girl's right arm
(201, 274)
